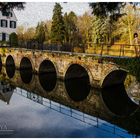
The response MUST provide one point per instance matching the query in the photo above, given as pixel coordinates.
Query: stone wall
(97, 71)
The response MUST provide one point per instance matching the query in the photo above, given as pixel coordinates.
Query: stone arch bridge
(65, 65)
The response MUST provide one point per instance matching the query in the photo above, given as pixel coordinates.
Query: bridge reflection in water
(76, 98)
(10, 66)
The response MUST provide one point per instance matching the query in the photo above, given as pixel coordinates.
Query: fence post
(108, 48)
(83, 118)
(100, 59)
(123, 50)
(97, 122)
(120, 50)
(71, 112)
(136, 50)
(114, 129)
(94, 48)
(50, 104)
(101, 50)
(60, 108)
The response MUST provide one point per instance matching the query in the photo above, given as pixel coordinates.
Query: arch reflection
(26, 76)
(117, 100)
(10, 66)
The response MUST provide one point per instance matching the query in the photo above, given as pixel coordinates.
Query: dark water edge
(46, 107)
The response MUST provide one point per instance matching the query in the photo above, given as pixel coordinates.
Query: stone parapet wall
(97, 71)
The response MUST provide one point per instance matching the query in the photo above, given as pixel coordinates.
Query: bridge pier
(66, 65)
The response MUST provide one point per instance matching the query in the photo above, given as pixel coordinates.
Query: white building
(8, 24)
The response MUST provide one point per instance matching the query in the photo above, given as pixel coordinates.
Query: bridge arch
(114, 77)
(47, 63)
(82, 66)
(47, 75)
(77, 82)
(10, 61)
(10, 66)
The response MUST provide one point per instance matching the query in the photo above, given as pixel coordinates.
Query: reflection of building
(6, 91)
(7, 25)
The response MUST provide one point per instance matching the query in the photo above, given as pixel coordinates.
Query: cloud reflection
(30, 119)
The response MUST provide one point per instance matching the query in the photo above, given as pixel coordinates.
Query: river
(34, 105)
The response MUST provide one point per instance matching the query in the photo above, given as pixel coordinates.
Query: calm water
(42, 106)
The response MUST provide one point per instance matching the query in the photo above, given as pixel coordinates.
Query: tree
(7, 6)
(106, 15)
(48, 25)
(73, 37)
(128, 24)
(84, 24)
(29, 34)
(105, 9)
(20, 32)
(25, 34)
(58, 27)
(40, 33)
(70, 26)
(13, 38)
(100, 30)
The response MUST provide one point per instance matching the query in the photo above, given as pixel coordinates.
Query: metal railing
(80, 116)
(115, 49)
(118, 50)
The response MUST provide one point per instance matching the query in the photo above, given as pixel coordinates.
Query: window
(12, 24)
(7, 14)
(3, 36)
(3, 23)
(4, 13)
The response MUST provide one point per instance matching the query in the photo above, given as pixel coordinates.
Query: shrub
(13, 38)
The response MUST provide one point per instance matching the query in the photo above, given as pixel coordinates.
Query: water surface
(42, 106)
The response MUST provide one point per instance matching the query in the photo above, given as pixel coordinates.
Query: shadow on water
(77, 82)
(47, 75)
(117, 100)
(10, 66)
(26, 70)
